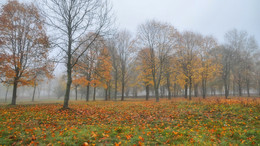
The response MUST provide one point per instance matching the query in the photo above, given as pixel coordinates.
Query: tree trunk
(174, 90)
(169, 87)
(6, 93)
(14, 92)
(226, 89)
(109, 92)
(94, 95)
(34, 89)
(157, 94)
(87, 94)
(116, 85)
(123, 88)
(190, 87)
(186, 90)
(76, 91)
(67, 94)
(248, 88)
(147, 92)
(196, 90)
(204, 88)
(106, 90)
(240, 88)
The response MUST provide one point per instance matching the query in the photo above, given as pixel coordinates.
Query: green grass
(174, 122)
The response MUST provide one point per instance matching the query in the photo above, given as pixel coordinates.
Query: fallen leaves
(178, 121)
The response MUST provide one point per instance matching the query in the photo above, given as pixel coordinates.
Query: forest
(54, 54)
(159, 61)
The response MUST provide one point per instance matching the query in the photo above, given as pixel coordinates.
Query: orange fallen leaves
(141, 138)
(132, 122)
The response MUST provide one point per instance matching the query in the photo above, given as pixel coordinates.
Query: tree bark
(67, 94)
(169, 87)
(157, 94)
(69, 69)
(123, 88)
(186, 90)
(116, 85)
(147, 92)
(204, 88)
(94, 95)
(109, 92)
(190, 87)
(14, 92)
(106, 90)
(226, 90)
(87, 94)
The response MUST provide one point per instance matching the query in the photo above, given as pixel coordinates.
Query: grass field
(173, 122)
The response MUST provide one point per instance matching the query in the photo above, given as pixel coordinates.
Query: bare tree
(240, 49)
(111, 44)
(72, 19)
(124, 47)
(248, 55)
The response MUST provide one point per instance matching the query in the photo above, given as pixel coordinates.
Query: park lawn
(174, 122)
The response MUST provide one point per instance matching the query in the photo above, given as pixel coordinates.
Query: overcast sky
(209, 17)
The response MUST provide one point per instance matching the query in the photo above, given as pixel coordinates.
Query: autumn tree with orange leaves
(159, 38)
(104, 71)
(23, 43)
(187, 60)
(144, 69)
(209, 64)
(94, 67)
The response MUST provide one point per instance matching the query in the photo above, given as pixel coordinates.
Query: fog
(208, 17)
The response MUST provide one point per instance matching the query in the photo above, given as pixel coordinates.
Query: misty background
(208, 17)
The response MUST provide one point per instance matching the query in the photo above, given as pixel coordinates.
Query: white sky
(209, 17)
